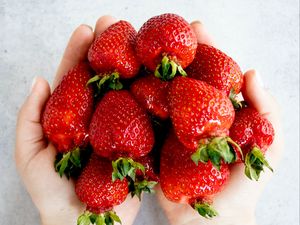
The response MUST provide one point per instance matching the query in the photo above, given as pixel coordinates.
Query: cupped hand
(53, 196)
(236, 203)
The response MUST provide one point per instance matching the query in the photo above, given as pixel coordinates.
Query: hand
(53, 196)
(236, 203)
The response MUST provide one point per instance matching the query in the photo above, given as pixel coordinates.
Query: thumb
(29, 133)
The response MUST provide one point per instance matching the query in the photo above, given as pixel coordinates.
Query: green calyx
(254, 163)
(168, 69)
(216, 150)
(136, 188)
(69, 162)
(235, 102)
(107, 218)
(126, 167)
(205, 210)
(110, 81)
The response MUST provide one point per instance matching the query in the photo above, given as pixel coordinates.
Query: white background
(258, 34)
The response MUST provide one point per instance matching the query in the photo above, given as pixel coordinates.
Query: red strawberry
(201, 116)
(217, 69)
(67, 114)
(184, 182)
(121, 128)
(148, 163)
(167, 37)
(112, 55)
(151, 93)
(96, 189)
(113, 51)
(145, 179)
(254, 134)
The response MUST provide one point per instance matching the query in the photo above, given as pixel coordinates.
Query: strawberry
(201, 116)
(112, 55)
(217, 69)
(95, 188)
(165, 44)
(67, 114)
(148, 163)
(184, 182)
(121, 128)
(254, 134)
(146, 178)
(151, 93)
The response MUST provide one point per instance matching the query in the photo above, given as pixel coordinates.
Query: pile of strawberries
(153, 107)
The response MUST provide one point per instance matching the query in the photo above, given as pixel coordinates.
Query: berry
(254, 134)
(169, 37)
(95, 188)
(184, 182)
(113, 51)
(201, 116)
(151, 93)
(217, 69)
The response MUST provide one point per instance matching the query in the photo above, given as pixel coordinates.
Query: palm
(240, 193)
(55, 196)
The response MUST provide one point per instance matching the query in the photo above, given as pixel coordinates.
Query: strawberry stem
(108, 81)
(125, 167)
(215, 150)
(69, 162)
(107, 218)
(235, 102)
(136, 188)
(205, 210)
(168, 69)
(254, 163)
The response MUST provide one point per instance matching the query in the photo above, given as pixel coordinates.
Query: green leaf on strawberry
(107, 218)
(216, 149)
(105, 82)
(254, 164)
(205, 210)
(126, 167)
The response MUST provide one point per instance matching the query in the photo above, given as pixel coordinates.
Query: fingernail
(195, 22)
(33, 83)
(259, 79)
(86, 26)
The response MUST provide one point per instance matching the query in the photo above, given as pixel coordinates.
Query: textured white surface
(260, 34)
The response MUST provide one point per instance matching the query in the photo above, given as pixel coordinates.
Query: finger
(256, 96)
(29, 133)
(75, 52)
(260, 99)
(202, 34)
(103, 23)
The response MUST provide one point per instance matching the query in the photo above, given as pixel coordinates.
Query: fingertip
(40, 86)
(202, 34)
(103, 23)
(76, 50)
(39, 94)
(196, 23)
(84, 31)
(256, 96)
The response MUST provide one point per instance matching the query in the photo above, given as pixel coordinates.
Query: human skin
(34, 156)
(236, 204)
